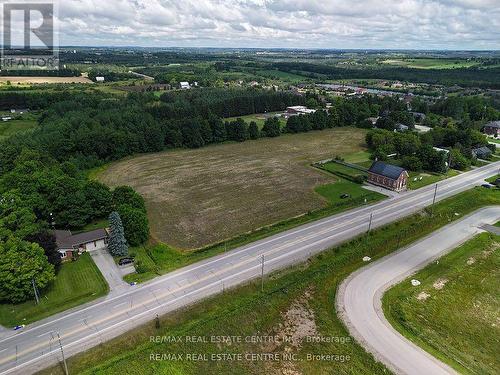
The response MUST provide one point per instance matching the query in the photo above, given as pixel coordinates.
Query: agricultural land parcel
(198, 197)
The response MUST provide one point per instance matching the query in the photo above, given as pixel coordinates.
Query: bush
(135, 224)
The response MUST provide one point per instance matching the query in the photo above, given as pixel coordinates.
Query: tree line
(468, 77)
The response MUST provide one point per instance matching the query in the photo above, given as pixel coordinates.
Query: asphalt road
(359, 297)
(37, 346)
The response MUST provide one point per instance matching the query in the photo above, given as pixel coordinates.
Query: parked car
(16, 328)
(125, 261)
(344, 196)
(487, 186)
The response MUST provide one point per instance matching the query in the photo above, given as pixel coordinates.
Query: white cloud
(420, 24)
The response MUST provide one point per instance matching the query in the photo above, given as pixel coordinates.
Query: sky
(336, 24)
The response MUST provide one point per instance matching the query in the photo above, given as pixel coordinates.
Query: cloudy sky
(415, 24)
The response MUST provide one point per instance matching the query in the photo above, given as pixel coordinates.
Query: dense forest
(466, 77)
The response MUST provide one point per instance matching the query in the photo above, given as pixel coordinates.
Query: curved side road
(359, 296)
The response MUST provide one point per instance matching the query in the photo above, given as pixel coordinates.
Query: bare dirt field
(40, 80)
(198, 197)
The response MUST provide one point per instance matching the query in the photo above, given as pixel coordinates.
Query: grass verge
(428, 178)
(308, 289)
(454, 313)
(157, 259)
(76, 283)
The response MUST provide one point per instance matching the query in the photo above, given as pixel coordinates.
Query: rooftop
(66, 239)
(494, 124)
(386, 170)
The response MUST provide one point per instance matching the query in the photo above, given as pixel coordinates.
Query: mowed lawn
(25, 122)
(76, 283)
(455, 313)
(259, 118)
(199, 197)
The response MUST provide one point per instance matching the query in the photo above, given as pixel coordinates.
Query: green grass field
(357, 157)
(493, 178)
(76, 283)
(297, 302)
(282, 76)
(332, 192)
(343, 170)
(431, 63)
(259, 118)
(24, 122)
(428, 178)
(454, 313)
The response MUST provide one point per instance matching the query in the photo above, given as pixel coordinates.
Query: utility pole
(62, 353)
(434, 199)
(370, 224)
(262, 275)
(35, 290)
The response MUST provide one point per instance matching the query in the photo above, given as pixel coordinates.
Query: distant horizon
(434, 25)
(271, 48)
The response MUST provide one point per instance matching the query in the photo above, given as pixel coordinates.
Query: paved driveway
(111, 272)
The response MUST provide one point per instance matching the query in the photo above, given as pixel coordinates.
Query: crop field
(454, 312)
(198, 197)
(431, 63)
(40, 80)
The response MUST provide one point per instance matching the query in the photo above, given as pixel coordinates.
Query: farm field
(454, 313)
(296, 302)
(76, 283)
(199, 197)
(41, 80)
(259, 118)
(430, 63)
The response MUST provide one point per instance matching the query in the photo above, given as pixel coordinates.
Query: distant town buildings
(99, 79)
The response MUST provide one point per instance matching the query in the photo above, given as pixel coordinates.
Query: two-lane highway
(37, 345)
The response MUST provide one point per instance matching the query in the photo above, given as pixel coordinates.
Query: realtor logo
(29, 37)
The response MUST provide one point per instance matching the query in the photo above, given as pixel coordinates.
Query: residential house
(492, 128)
(418, 116)
(401, 127)
(388, 176)
(481, 152)
(69, 244)
(185, 85)
(99, 79)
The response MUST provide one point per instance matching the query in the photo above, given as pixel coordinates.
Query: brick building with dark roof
(388, 176)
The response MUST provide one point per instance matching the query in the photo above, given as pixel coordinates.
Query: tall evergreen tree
(117, 244)
(253, 130)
